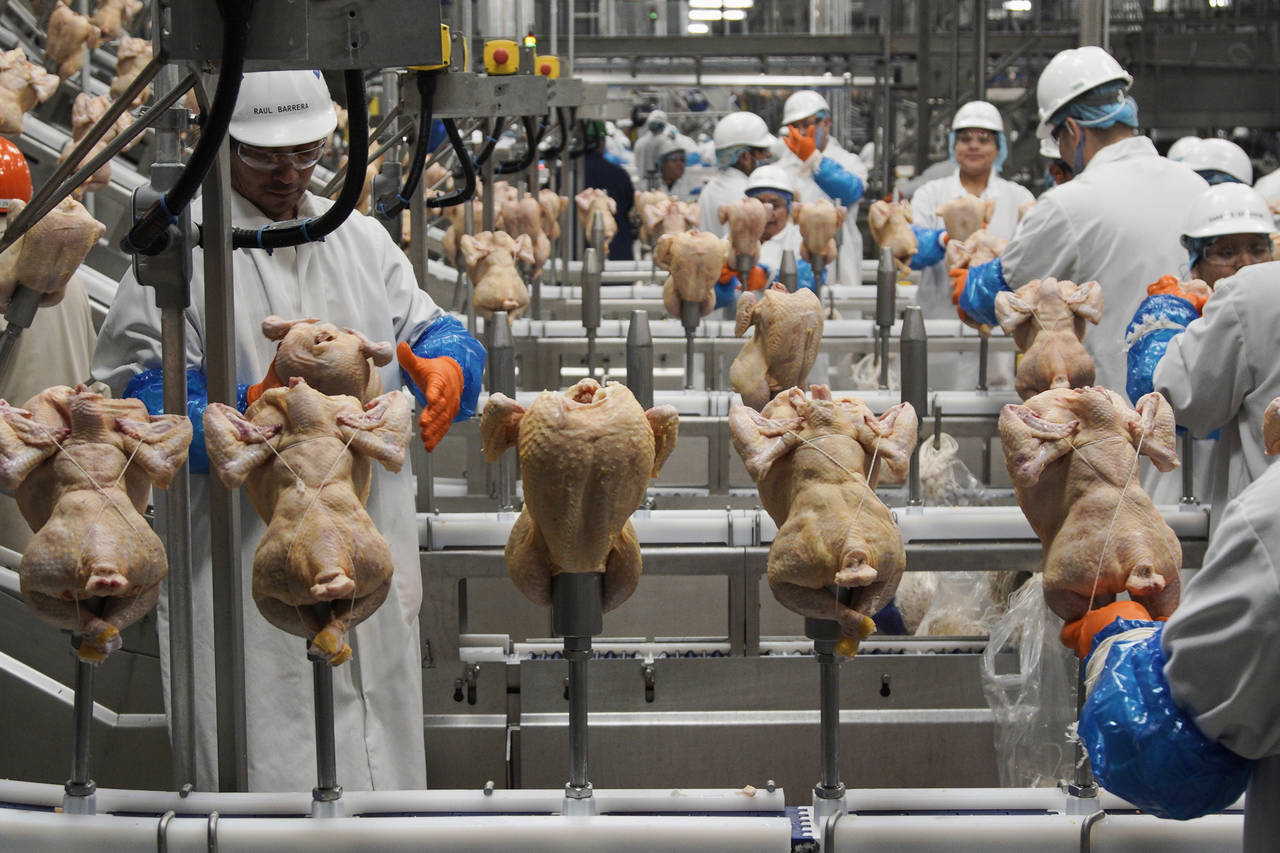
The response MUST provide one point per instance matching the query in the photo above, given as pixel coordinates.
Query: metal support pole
(597, 233)
(592, 269)
(886, 97)
(386, 184)
(924, 84)
(787, 271)
(79, 789)
(1186, 449)
(326, 797)
(980, 49)
(486, 212)
(579, 184)
(886, 308)
(502, 380)
(640, 358)
(1082, 790)
(690, 316)
(828, 794)
(576, 614)
(913, 358)
(469, 227)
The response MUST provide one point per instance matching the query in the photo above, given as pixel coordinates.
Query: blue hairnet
(1213, 176)
(1102, 106)
(726, 157)
(1196, 247)
(1001, 155)
(790, 197)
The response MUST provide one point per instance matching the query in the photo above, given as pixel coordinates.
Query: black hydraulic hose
(422, 147)
(487, 150)
(279, 235)
(148, 236)
(531, 138)
(468, 189)
(576, 152)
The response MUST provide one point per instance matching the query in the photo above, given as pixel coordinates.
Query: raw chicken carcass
(83, 466)
(590, 202)
(694, 259)
(587, 457)
(334, 361)
(815, 461)
(456, 215)
(491, 265)
(665, 215)
(890, 224)
(818, 222)
(643, 201)
(965, 215)
(747, 218)
(1047, 321)
(1072, 455)
(69, 34)
(786, 341)
(979, 248)
(523, 218)
(553, 207)
(305, 461)
(23, 84)
(85, 112)
(131, 57)
(45, 257)
(111, 16)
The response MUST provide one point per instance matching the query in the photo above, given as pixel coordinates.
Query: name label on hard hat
(281, 108)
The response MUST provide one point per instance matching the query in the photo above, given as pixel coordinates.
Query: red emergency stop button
(545, 69)
(500, 56)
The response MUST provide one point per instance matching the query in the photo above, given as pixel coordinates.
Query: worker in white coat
(977, 143)
(743, 143)
(823, 170)
(1218, 371)
(357, 277)
(1117, 222)
(1181, 717)
(673, 177)
(646, 145)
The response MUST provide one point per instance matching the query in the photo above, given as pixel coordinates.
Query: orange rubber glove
(440, 380)
(1078, 635)
(758, 278)
(802, 144)
(271, 380)
(1170, 284)
(727, 273)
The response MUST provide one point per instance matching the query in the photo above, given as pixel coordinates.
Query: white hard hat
(1069, 75)
(1228, 209)
(656, 116)
(667, 145)
(280, 108)
(742, 129)
(979, 114)
(771, 177)
(802, 104)
(1049, 148)
(1220, 155)
(1181, 147)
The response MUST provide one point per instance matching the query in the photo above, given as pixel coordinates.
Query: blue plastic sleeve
(1173, 313)
(804, 275)
(1146, 749)
(979, 297)
(447, 336)
(692, 159)
(931, 250)
(148, 386)
(438, 135)
(725, 293)
(838, 182)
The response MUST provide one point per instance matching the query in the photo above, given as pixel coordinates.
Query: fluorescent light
(735, 14)
(697, 28)
(739, 4)
(704, 4)
(705, 15)
(1017, 5)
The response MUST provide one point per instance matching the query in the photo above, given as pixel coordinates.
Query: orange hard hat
(15, 175)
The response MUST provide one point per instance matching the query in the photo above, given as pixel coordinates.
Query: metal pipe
(690, 316)
(787, 272)
(886, 308)
(1186, 450)
(576, 614)
(327, 788)
(980, 49)
(829, 719)
(341, 172)
(640, 358)
(886, 96)
(592, 269)
(924, 78)
(502, 380)
(80, 785)
(984, 347)
(597, 231)
(486, 211)
(913, 359)
(1082, 785)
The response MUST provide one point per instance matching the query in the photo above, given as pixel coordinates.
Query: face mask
(656, 127)
(761, 159)
(820, 137)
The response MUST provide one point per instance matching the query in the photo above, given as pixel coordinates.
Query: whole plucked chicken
(890, 224)
(665, 215)
(553, 207)
(334, 361)
(1072, 455)
(592, 202)
(1047, 321)
(111, 16)
(132, 55)
(23, 84)
(45, 257)
(781, 352)
(83, 466)
(69, 33)
(523, 218)
(815, 460)
(746, 218)
(818, 222)
(304, 458)
(694, 259)
(980, 247)
(85, 112)
(491, 265)
(456, 214)
(586, 457)
(964, 215)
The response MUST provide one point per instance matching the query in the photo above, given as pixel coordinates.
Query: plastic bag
(1034, 705)
(866, 373)
(944, 478)
(962, 606)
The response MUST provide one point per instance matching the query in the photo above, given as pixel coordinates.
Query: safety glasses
(265, 160)
(1239, 255)
(982, 137)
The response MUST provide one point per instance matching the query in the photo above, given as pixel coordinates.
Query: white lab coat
(771, 250)
(728, 186)
(850, 257)
(645, 149)
(949, 371)
(687, 188)
(358, 278)
(1222, 649)
(1117, 223)
(1223, 371)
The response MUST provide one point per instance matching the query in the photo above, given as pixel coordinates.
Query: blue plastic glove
(931, 248)
(838, 182)
(1159, 319)
(447, 336)
(980, 289)
(1141, 745)
(726, 292)
(148, 386)
(804, 275)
